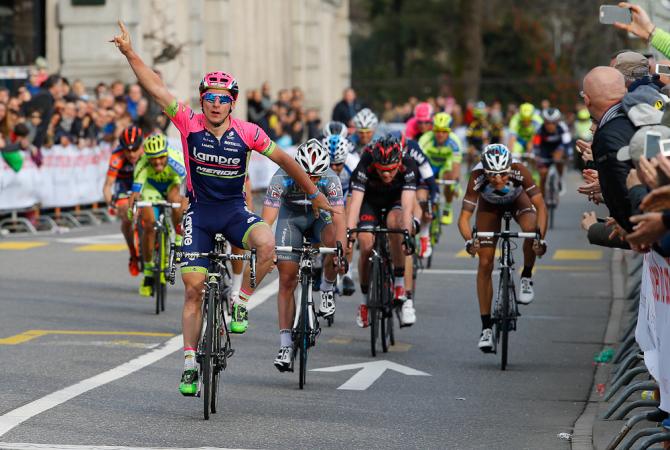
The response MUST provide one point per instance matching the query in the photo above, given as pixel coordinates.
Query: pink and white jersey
(216, 169)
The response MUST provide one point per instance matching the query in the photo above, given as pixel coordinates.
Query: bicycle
(305, 325)
(551, 188)
(211, 355)
(505, 311)
(164, 248)
(435, 223)
(380, 301)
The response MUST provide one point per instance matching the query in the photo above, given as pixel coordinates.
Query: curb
(582, 436)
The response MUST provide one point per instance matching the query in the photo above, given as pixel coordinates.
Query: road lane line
(19, 415)
(33, 334)
(21, 245)
(582, 255)
(26, 446)
(102, 248)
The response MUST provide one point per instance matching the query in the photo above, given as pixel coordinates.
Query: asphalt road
(75, 289)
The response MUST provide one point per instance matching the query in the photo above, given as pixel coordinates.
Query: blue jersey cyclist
(343, 161)
(286, 203)
(216, 151)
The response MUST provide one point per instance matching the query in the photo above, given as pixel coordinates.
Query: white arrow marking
(369, 373)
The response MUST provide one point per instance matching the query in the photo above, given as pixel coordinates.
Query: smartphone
(652, 144)
(611, 13)
(662, 69)
(665, 147)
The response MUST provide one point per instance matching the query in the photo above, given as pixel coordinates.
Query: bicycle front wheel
(208, 346)
(505, 318)
(158, 265)
(304, 328)
(217, 355)
(374, 303)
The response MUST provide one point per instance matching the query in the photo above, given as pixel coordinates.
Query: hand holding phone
(652, 145)
(610, 14)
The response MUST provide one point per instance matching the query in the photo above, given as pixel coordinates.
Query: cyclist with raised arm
(522, 127)
(119, 183)
(158, 176)
(498, 184)
(443, 149)
(365, 123)
(384, 179)
(550, 145)
(343, 161)
(287, 204)
(421, 122)
(216, 149)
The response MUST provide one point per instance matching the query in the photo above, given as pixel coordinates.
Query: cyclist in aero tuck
(216, 150)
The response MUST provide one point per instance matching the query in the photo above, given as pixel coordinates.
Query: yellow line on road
(400, 347)
(584, 255)
(101, 248)
(340, 340)
(21, 245)
(464, 254)
(571, 268)
(33, 334)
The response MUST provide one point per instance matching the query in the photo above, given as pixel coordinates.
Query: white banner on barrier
(68, 176)
(653, 330)
(72, 176)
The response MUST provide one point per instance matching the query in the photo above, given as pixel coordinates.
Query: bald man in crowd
(603, 89)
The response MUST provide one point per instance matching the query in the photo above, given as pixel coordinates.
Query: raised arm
(147, 78)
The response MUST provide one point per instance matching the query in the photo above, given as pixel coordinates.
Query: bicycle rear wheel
(374, 303)
(208, 346)
(386, 310)
(303, 325)
(505, 318)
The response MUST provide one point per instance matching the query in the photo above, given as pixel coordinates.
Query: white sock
(189, 360)
(399, 281)
(365, 299)
(425, 230)
(237, 282)
(326, 285)
(285, 339)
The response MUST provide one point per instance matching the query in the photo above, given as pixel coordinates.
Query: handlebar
(446, 182)
(511, 234)
(147, 204)
(408, 241)
(308, 250)
(222, 257)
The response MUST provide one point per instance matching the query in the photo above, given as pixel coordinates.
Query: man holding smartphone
(603, 90)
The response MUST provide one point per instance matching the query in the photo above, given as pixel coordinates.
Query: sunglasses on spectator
(211, 97)
(14, 111)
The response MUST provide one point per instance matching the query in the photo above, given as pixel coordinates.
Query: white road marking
(448, 271)
(369, 373)
(98, 239)
(19, 415)
(24, 446)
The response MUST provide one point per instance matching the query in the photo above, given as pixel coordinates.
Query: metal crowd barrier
(55, 220)
(629, 377)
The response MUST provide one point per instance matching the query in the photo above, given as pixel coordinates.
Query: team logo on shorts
(251, 219)
(188, 228)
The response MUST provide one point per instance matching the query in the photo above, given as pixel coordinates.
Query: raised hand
(122, 41)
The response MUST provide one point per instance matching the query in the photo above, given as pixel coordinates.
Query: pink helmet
(219, 80)
(423, 112)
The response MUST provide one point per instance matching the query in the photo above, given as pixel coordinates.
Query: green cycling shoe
(189, 383)
(240, 321)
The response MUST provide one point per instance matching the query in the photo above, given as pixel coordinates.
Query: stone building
(303, 43)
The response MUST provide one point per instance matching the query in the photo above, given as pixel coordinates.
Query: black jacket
(344, 112)
(615, 131)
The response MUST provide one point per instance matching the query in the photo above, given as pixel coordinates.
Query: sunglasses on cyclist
(495, 174)
(388, 168)
(211, 97)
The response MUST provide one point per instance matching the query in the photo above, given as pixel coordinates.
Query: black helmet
(386, 151)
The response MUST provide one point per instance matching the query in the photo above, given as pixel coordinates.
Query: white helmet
(365, 120)
(338, 148)
(496, 158)
(551, 115)
(334, 127)
(313, 157)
